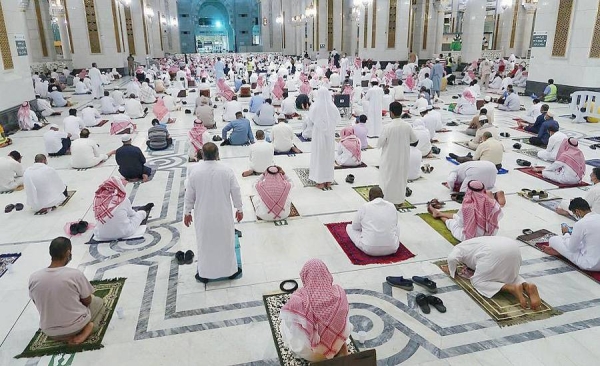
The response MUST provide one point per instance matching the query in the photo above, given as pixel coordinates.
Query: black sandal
(437, 303)
(423, 303)
(527, 231)
(180, 256)
(188, 257)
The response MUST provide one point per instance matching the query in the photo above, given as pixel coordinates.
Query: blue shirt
(255, 103)
(242, 133)
(544, 135)
(535, 128)
(237, 84)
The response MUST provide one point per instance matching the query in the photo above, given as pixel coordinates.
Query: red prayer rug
(358, 257)
(530, 171)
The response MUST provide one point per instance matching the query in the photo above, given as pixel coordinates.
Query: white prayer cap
(54, 125)
(437, 59)
(483, 117)
(374, 80)
(487, 98)
(126, 138)
(429, 107)
(121, 109)
(422, 109)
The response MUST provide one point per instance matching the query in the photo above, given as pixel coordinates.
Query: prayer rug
(530, 171)
(503, 308)
(593, 162)
(288, 153)
(439, 226)
(553, 204)
(41, 345)
(539, 239)
(306, 181)
(363, 191)
(464, 144)
(362, 165)
(520, 129)
(301, 138)
(523, 140)
(273, 305)
(532, 153)
(293, 210)
(6, 192)
(453, 161)
(593, 138)
(6, 260)
(357, 256)
(70, 194)
(101, 123)
(137, 235)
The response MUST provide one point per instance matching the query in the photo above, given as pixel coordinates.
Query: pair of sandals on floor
(10, 207)
(423, 301)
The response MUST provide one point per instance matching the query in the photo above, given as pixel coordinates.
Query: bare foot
(550, 251)
(320, 185)
(445, 184)
(20, 188)
(83, 335)
(144, 178)
(534, 296)
(501, 198)
(328, 185)
(516, 291)
(247, 173)
(434, 212)
(560, 211)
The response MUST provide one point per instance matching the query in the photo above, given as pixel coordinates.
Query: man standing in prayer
(324, 116)
(44, 188)
(96, 78)
(11, 172)
(394, 143)
(437, 73)
(496, 261)
(375, 98)
(211, 188)
(64, 298)
(219, 69)
(374, 229)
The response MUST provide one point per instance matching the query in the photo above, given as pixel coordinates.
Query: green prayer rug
(363, 191)
(439, 226)
(503, 308)
(41, 345)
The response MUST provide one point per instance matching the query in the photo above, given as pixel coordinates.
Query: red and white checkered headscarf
(273, 188)
(109, 195)
(322, 306)
(479, 211)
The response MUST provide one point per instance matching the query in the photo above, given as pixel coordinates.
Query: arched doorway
(214, 32)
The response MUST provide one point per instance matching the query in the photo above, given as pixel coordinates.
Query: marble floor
(169, 318)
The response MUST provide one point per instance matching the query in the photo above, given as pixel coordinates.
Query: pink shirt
(360, 131)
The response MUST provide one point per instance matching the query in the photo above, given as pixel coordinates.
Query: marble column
(440, 8)
(59, 13)
(23, 6)
(473, 26)
(525, 30)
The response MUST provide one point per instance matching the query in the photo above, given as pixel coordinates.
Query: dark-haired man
(11, 172)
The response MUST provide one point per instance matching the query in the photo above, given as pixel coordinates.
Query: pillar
(59, 13)
(473, 26)
(526, 28)
(23, 6)
(440, 8)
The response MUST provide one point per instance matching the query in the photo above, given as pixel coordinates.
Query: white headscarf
(323, 112)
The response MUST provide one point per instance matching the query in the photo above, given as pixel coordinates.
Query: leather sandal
(437, 303)
(421, 300)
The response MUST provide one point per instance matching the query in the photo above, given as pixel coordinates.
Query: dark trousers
(66, 145)
(536, 141)
(129, 176)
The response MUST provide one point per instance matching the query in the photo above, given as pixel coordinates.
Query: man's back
(56, 292)
(82, 149)
(130, 160)
(261, 156)
(133, 108)
(282, 136)
(379, 223)
(584, 241)
(157, 138)
(9, 168)
(490, 150)
(266, 115)
(241, 131)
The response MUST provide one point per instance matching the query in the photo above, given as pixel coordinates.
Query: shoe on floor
(188, 257)
(437, 303)
(82, 227)
(522, 162)
(180, 256)
(425, 282)
(400, 282)
(350, 179)
(73, 229)
(453, 156)
(423, 303)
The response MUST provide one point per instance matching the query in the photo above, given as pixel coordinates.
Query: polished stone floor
(169, 318)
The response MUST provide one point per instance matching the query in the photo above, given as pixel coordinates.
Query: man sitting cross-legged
(64, 298)
(496, 262)
(131, 161)
(273, 201)
(579, 244)
(44, 188)
(113, 211)
(261, 155)
(282, 137)
(374, 229)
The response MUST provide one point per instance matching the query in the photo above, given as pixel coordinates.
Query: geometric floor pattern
(168, 318)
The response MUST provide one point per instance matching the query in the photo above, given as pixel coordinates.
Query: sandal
(522, 162)
(408, 192)
(437, 303)
(425, 282)
(19, 206)
(543, 194)
(188, 257)
(527, 231)
(423, 303)
(180, 257)
(9, 208)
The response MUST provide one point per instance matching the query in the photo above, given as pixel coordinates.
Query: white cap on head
(487, 98)
(126, 138)
(549, 114)
(54, 125)
(422, 109)
(374, 80)
(429, 107)
(483, 117)
(121, 109)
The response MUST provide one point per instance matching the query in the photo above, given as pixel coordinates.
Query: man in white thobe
(133, 108)
(374, 229)
(211, 188)
(73, 124)
(282, 137)
(324, 116)
(90, 116)
(374, 119)
(483, 171)
(394, 143)
(496, 262)
(43, 186)
(96, 79)
(108, 105)
(554, 142)
(85, 152)
(11, 172)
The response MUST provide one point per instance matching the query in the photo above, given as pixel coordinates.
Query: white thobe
(593, 198)
(496, 261)
(399, 93)
(11, 174)
(533, 113)
(554, 143)
(73, 125)
(394, 143)
(374, 229)
(133, 108)
(561, 173)
(45, 107)
(456, 225)
(282, 137)
(80, 88)
(43, 186)
(96, 79)
(124, 223)
(262, 211)
(133, 88)
(344, 157)
(374, 119)
(322, 157)
(307, 127)
(483, 171)
(211, 188)
(344, 62)
(230, 108)
(581, 246)
(90, 116)
(424, 145)
(85, 154)
(414, 163)
(117, 96)
(108, 105)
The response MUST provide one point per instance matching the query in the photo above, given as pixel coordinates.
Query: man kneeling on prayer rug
(113, 211)
(44, 188)
(273, 201)
(496, 262)
(64, 298)
(375, 228)
(569, 166)
(315, 324)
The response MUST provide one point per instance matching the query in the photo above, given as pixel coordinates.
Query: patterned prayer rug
(439, 226)
(530, 171)
(520, 129)
(293, 210)
(41, 345)
(593, 138)
(593, 162)
(299, 136)
(273, 305)
(358, 257)
(6, 260)
(539, 239)
(503, 308)
(362, 165)
(523, 140)
(306, 181)
(70, 194)
(532, 153)
(363, 191)
(464, 144)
